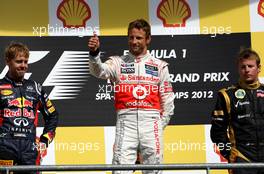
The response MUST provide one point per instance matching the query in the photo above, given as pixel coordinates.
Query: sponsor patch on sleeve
(167, 87)
(48, 104)
(51, 109)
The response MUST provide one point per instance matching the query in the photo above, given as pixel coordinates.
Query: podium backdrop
(198, 38)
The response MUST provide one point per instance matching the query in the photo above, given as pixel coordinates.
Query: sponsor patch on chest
(260, 93)
(5, 86)
(6, 92)
(152, 70)
(127, 68)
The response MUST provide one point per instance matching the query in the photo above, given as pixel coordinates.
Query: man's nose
(24, 65)
(134, 40)
(247, 69)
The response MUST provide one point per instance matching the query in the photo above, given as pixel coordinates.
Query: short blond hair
(15, 48)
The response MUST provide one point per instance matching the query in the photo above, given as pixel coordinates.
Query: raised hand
(94, 43)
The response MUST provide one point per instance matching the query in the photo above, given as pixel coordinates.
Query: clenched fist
(93, 43)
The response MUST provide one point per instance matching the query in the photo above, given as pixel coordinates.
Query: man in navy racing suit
(20, 101)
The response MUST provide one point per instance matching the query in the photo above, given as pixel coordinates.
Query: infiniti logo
(19, 121)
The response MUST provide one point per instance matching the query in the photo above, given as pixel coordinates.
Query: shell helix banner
(198, 38)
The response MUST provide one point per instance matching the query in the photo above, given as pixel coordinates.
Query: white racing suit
(144, 101)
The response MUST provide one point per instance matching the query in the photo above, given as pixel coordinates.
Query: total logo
(140, 92)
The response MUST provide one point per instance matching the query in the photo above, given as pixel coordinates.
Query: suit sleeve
(50, 116)
(166, 96)
(106, 70)
(220, 122)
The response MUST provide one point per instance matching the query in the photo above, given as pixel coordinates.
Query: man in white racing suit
(144, 98)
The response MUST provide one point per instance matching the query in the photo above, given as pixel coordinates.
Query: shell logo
(73, 13)
(261, 8)
(173, 13)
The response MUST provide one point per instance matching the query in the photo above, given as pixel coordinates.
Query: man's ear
(7, 60)
(148, 40)
(259, 68)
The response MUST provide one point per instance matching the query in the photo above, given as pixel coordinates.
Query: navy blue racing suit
(19, 106)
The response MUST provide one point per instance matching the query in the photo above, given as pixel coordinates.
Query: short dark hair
(140, 24)
(248, 53)
(14, 48)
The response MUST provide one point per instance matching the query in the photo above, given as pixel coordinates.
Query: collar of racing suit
(14, 83)
(139, 58)
(254, 85)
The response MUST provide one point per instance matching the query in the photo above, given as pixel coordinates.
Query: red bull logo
(27, 103)
(18, 113)
(18, 102)
(14, 102)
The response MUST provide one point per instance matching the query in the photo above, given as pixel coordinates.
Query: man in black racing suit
(238, 117)
(20, 101)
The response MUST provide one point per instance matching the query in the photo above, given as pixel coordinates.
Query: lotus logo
(21, 121)
(73, 13)
(173, 13)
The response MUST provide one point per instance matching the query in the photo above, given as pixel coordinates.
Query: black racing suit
(238, 124)
(19, 106)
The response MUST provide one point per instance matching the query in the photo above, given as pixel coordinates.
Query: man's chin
(20, 75)
(249, 81)
(135, 52)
